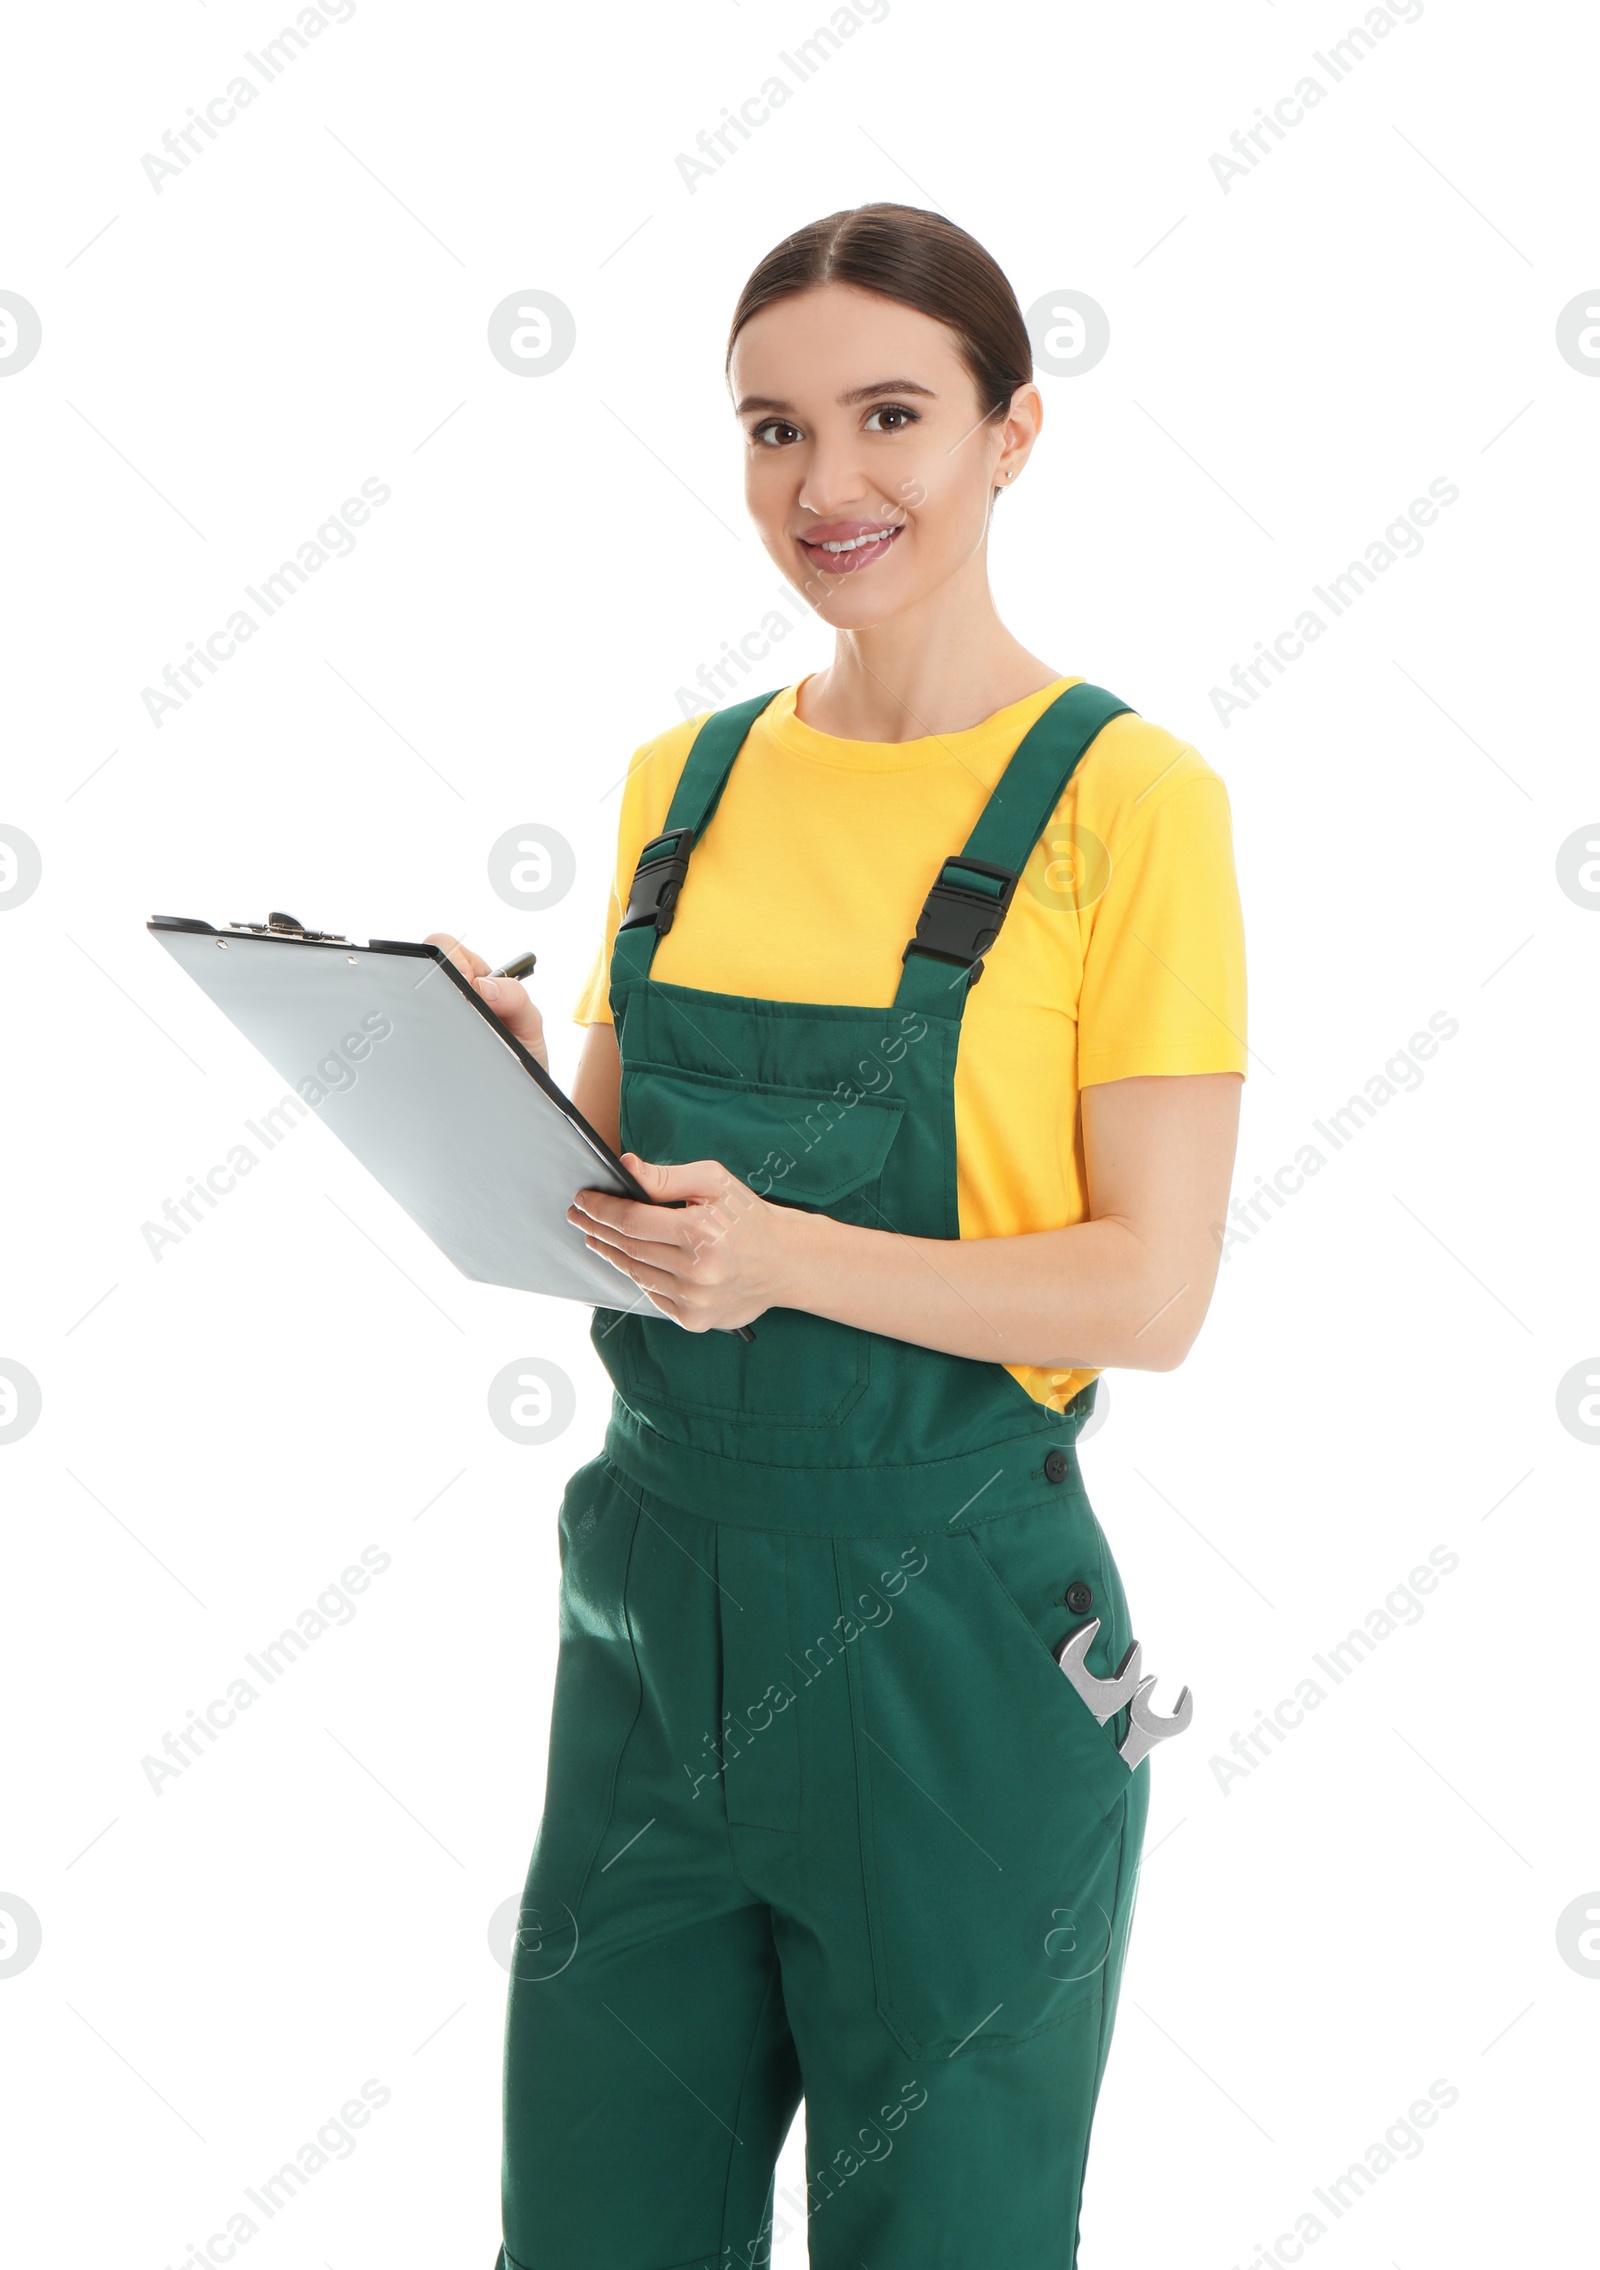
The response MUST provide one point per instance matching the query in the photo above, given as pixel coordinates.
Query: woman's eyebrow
(856, 394)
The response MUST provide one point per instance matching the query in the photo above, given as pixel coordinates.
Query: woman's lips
(848, 563)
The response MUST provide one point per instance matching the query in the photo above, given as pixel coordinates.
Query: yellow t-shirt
(1122, 952)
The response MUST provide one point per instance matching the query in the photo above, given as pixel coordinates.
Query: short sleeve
(1164, 970)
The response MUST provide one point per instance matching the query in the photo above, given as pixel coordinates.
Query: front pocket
(805, 1147)
(802, 1146)
(994, 1810)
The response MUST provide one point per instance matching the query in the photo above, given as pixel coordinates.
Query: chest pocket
(811, 1148)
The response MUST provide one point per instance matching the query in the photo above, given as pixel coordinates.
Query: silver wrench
(1146, 1727)
(1103, 1696)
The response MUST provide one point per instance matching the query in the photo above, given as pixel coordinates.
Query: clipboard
(402, 1060)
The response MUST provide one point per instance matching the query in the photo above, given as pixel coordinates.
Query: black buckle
(657, 880)
(959, 924)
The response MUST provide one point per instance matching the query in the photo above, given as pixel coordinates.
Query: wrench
(1146, 1727)
(1103, 1696)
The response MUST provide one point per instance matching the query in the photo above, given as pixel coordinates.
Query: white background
(1370, 1909)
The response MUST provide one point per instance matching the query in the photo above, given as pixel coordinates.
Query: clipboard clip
(285, 926)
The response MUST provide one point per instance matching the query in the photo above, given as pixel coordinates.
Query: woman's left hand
(711, 1264)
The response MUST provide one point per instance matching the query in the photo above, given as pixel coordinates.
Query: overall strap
(664, 860)
(964, 910)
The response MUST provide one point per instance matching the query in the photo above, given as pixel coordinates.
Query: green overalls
(822, 1814)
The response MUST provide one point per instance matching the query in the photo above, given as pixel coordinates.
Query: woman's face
(863, 428)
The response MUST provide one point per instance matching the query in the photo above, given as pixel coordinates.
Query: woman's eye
(766, 430)
(892, 410)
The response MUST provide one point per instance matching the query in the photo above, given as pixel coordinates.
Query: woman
(921, 1007)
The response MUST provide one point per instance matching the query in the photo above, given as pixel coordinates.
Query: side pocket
(1031, 1560)
(994, 1810)
(597, 1695)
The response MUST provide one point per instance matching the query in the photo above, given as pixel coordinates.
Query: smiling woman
(920, 1008)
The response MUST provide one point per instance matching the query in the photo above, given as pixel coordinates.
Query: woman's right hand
(504, 995)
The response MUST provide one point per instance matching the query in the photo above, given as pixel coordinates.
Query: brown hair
(920, 259)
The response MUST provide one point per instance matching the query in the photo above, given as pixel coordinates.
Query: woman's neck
(939, 668)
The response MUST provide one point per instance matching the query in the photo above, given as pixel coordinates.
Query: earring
(1008, 476)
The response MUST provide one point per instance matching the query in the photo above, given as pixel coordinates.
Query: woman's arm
(597, 1083)
(1129, 1287)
